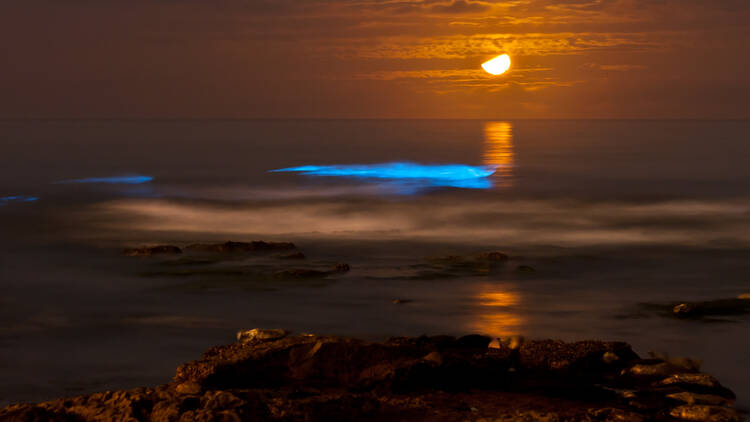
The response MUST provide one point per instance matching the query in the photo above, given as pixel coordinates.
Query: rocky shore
(270, 375)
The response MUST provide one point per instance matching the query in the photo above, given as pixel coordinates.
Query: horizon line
(8, 119)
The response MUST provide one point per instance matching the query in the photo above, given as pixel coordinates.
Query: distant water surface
(614, 217)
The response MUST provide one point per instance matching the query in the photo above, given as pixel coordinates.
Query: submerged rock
(239, 247)
(494, 256)
(269, 375)
(297, 273)
(720, 307)
(153, 250)
(295, 255)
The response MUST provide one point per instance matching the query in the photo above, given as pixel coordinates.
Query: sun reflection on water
(498, 151)
(495, 315)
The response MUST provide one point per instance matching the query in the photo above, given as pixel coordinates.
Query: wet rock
(658, 369)
(613, 414)
(153, 250)
(341, 268)
(296, 273)
(512, 342)
(610, 357)
(241, 247)
(688, 364)
(188, 388)
(493, 256)
(705, 413)
(301, 273)
(723, 307)
(260, 334)
(703, 380)
(578, 357)
(296, 255)
(694, 398)
(269, 375)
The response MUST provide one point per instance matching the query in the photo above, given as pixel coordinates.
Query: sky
(374, 59)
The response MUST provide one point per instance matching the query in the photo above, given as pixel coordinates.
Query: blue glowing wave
(448, 175)
(125, 180)
(20, 198)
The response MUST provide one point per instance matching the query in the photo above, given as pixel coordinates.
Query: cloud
(460, 7)
(328, 57)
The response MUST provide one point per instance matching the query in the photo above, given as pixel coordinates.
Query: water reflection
(498, 151)
(496, 313)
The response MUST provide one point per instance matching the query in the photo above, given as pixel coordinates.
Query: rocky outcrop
(269, 375)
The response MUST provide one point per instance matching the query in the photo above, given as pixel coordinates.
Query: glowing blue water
(126, 180)
(413, 174)
(21, 198)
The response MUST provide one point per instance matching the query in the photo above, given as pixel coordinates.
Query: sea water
(616, 218)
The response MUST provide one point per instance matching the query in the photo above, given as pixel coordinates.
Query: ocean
(607, 224)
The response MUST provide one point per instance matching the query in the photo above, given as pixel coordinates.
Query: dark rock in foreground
(270, 376)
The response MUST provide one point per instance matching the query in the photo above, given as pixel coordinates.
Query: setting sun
(498, 65)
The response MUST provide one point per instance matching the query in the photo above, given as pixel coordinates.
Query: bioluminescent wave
(117, 180)
(413, 174)
(19, 198)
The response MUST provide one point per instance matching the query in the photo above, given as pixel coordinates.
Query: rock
(512, 342)
(705, 413)
(301, 273)
(221, 400)
(658, 369)
(188, 388)
(341, 268)
(269, 375)
(493, 256)
(259, 334)
(609, 357)
(612, 414)
(703, 380)
(435, 357)
(153, 250)
(694, 398)
(296, 255)
(525, 269)
(579, 357)
(401, 301)
(721, 307)
(311, 273)
(240, 247)
(688, 364)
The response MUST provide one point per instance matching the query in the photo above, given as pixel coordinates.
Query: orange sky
(374, 59)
